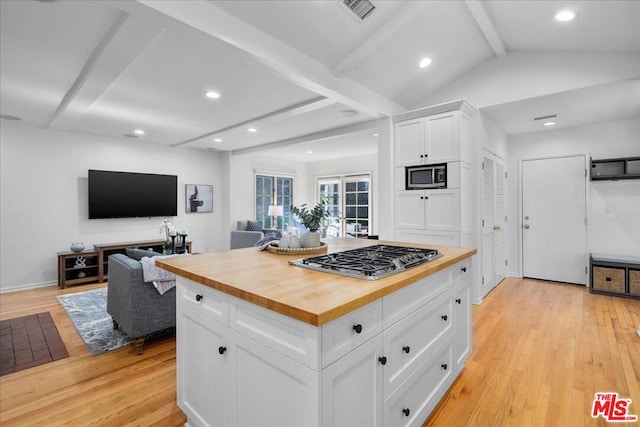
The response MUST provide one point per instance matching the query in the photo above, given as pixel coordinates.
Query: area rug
(29, 341)
(88, 312)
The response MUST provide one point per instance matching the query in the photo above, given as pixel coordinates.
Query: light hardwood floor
(541, 351)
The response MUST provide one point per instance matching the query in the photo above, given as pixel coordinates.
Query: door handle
(496, 227)
(526, 226)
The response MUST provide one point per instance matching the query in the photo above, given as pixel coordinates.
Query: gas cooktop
(370, 262)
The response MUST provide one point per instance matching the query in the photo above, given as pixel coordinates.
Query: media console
(95, 268)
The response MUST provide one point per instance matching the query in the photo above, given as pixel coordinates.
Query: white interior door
(493, 222)
(554, 241)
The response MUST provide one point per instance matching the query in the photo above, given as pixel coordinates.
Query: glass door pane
(356, 206)
(331, 189)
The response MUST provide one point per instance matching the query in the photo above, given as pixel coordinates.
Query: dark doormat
(29, 341)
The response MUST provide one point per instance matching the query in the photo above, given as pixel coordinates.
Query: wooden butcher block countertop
(268, 280)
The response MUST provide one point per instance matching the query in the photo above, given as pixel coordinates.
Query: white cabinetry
(440, 134)
(386, 363)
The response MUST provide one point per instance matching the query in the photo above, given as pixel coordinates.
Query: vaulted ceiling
(297, 72)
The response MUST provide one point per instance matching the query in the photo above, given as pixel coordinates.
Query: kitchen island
(261, 342)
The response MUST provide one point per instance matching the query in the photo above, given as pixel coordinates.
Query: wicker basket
(608, 279)
(322, 249)
(634, 282)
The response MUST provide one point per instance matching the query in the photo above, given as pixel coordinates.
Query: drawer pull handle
(382, 360)
(444, 366)
(222, 350)
(458, 300)
(406, 412)
(406, 349)
(357, 328)
(198, 297)
(444, 317)
(464, 269)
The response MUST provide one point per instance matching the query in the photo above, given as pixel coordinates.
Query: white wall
(44, 197)
(614, 208)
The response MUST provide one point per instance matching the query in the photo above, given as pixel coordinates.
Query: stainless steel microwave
(426, 176)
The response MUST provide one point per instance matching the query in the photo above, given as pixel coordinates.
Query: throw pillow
(138, 254)
(254, 226)
(266, 239)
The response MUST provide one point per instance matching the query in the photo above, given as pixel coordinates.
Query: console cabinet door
(462, 323)
(204, 384)
(410, 143)
(442, 209)
(352, 388)
(442, 137)
(410, 209)
(272, 389)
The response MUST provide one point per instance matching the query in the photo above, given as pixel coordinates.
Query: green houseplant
(313, 219)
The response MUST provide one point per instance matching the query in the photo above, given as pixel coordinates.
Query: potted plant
(313, 219)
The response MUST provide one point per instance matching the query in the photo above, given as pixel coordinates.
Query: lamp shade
(275, 210)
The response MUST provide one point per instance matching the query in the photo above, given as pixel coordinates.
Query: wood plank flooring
(541, 351)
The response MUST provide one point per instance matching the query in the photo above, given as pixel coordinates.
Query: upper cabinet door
(442, 138)
(410, 142)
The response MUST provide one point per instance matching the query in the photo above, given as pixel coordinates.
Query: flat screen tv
(130, 195)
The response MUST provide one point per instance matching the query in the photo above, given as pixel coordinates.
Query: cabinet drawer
(414, 400)
(207, 301)
(411, 340)
(461, 271)
(347, 332)
(634, 282)
(288, 336)
(403, 302)
(608, 279)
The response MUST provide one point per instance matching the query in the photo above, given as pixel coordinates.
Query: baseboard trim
(27, 287)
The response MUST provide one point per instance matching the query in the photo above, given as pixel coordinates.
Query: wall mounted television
(131, 195)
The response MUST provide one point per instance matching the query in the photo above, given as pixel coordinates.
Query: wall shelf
(614, 169)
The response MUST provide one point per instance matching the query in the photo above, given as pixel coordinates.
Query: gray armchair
(243, 238)
(134, 305)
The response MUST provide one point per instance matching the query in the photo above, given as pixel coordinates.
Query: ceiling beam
(316, 136)
(275, 116)
(392, 26)
(487, 26)
(127, 38)
(279, 57)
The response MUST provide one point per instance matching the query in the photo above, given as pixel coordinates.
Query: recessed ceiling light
(217, 140)
(565, 16)
(138, 132)
(375, 134)
(8, 117)
(212, 94)
(309, 152)
(129, 135)
(252, 130)
(548, 123)
(424, 62)
(348, 113)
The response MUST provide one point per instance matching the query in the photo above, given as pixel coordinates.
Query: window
(270, 188)
(349, 204)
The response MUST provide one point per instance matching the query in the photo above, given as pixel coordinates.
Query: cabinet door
(462, 326)
(442, 209)
(272, 389)
(410, 209)
(204, 384)
(410, 143)
(352, 388)
(442, 137)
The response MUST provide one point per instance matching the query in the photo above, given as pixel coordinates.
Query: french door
(349, 204)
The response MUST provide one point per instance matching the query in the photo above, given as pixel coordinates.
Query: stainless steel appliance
(426, 176)
(370, 262)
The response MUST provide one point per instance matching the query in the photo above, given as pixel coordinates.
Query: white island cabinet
(386, 363)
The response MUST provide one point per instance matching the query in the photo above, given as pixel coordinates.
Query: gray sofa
(243, 238)
(137, 307)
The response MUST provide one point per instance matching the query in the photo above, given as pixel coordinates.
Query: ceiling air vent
(551, 116)
(361, 8)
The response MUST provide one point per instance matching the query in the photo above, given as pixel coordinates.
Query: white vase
(310, 239)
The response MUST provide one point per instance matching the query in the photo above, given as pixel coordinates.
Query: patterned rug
(88, 312)
(29, 341)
